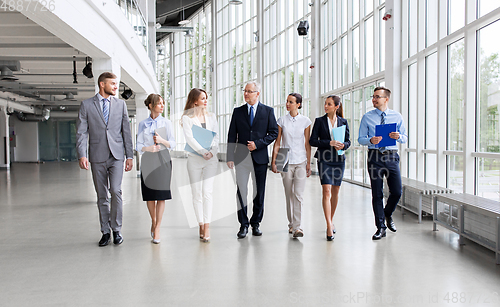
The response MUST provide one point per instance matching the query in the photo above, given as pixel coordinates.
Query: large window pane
(412, 27)
(369, 50)
(431, 22)
(344, 67)
(368, 7)
(355, 11)
(455, 174)
(357, 104)
(382, 43)
(455, 95)
(488, 102)
(488, 178)
(348, 163)
(412, 165)
(430, 168)
(456, 15)
(486, 6)
(355, 54)
(359, 162)
(431, 101)
(412, 106)
(344, 16)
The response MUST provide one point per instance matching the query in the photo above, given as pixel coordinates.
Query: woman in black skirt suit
(330, 164)
(156, 167)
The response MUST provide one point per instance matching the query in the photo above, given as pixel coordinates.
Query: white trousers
(201, 177)
(294, 182)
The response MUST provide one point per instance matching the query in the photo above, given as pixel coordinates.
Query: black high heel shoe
(329, 238)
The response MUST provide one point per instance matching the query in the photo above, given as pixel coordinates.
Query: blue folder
(339, 136)
(383, 131)
(203, 136)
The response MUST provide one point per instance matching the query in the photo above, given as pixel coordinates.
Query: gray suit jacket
(102, 139)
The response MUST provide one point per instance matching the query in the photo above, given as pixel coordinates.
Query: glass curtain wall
(163, 72)
(453, 94)
(352, 59)
(287, 56)
(192, 60)
(131, 10)
(236, 60)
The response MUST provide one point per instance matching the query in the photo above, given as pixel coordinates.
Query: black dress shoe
(256, 231)
(390, 224)
(379, 234)
(243, 232)
(117, 237)
(329, 238)
(106, 238)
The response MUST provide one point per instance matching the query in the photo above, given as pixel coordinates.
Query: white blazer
(212, 125)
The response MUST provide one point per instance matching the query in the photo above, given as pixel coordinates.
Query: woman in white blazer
(202, 162)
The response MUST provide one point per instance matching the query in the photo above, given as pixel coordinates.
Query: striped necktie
(382, 122)
(105, 109)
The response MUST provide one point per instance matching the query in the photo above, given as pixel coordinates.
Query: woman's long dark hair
(338, 103)
(193, 96)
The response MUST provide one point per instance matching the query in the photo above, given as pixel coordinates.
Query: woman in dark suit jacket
(330, 164)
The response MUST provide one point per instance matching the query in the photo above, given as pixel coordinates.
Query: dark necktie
(382, 122)
(251, 115)
(105, 110)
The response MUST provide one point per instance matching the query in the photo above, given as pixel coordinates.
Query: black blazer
(263, 132)
(320, 137)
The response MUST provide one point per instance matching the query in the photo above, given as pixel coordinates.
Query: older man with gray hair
(253, 127)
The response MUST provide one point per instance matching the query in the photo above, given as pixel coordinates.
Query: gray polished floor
(49, 255)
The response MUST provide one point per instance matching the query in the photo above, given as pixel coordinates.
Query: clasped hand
(208, 155)
(337, 145)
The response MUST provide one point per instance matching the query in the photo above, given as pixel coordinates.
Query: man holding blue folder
(379, 130)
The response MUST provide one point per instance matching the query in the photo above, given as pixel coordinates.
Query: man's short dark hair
(104, 76)
(387, 91)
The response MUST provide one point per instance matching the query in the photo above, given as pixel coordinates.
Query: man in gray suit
(103, 121)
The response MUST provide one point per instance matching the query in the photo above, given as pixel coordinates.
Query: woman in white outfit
(293, 134)
(202, 164)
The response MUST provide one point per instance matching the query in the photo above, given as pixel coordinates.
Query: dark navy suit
(262, 132)
(320, 137)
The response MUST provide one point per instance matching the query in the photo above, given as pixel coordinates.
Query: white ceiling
(46, 66)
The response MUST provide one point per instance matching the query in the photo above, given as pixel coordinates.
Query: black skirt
(156, 173)
(152, 194)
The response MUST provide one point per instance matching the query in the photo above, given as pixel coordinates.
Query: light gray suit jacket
(102, 139)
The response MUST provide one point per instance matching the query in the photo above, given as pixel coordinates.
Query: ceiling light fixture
(236, 2)
(127, 94)
(183, 20)
(87, 70)
(7, 68)
(7, 75)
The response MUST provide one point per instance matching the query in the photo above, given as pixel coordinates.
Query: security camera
(387, 15)
(303, 28)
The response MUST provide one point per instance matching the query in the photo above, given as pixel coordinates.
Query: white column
(101, 65)
(315, 34)
(151, 24)
(141, 113)
(393, 52)
(4, 139)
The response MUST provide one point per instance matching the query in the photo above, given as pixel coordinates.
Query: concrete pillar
(4, 139)
(316, 108)
(141, 113)
(150, 16)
